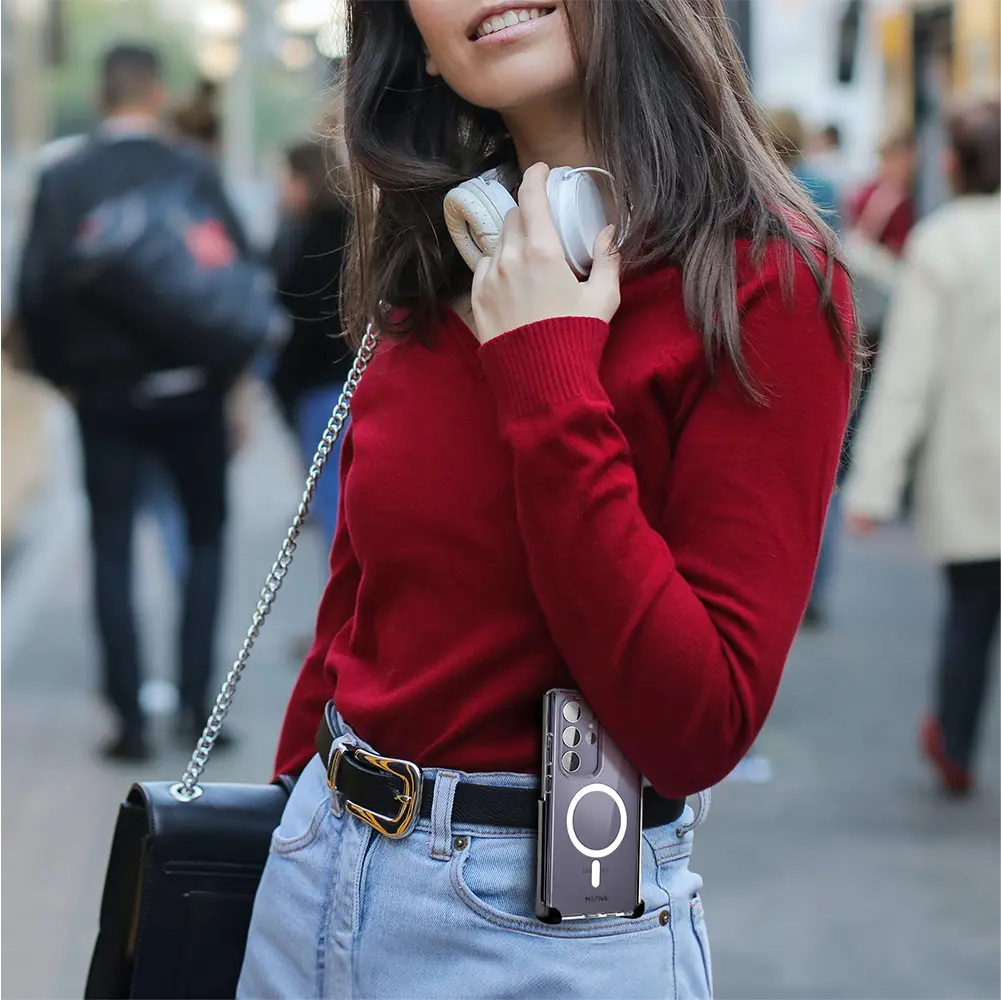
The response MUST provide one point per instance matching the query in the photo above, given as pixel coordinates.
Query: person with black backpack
(137, 356)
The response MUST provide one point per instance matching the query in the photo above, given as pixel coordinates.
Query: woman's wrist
(545, 363)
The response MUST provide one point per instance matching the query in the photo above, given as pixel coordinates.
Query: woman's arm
(689, 619)
(296, 745)
(897, 410)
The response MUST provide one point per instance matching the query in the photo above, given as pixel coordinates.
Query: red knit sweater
(584, 505)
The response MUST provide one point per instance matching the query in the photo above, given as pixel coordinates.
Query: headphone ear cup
(474, 214)
(578, 214)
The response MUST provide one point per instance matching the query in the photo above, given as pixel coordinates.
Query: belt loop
(336, 799)
(705, 800)
(441, 814)
(330, 715)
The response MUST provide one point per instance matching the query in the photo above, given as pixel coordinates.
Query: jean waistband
(393, 795)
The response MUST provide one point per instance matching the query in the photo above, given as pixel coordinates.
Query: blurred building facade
(875, 66)
(933, 53)
(28, 44)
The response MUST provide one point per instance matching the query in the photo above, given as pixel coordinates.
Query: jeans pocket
(494, 878)
(304, 813)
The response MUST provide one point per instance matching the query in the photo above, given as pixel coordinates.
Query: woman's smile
(511, 56)
(502, 23)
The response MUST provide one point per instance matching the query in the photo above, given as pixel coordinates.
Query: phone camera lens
(571, 711)
(571, 761)
(571, 736)
(591, 739)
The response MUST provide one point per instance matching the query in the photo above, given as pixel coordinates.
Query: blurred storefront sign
(896, 46)
(962, 37)
(935, 52)
(978, 46)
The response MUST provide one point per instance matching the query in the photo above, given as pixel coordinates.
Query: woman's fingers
(479, 276)
(536, 214)
(527, 279)
(510, 232)
(604, 277)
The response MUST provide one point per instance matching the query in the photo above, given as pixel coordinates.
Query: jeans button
(461, 843)
(665, 917)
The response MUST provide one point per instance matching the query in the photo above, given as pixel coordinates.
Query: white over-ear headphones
(475, 210)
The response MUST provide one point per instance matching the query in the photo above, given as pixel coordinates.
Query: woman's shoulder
(778, 278)
(790, 279)
(787, 330)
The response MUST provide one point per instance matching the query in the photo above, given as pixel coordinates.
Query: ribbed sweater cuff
(540, 365)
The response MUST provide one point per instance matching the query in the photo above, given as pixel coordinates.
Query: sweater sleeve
(312, 690)
(897, 410)
(697, 611)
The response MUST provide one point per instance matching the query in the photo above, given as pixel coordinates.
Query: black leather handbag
(186, 858)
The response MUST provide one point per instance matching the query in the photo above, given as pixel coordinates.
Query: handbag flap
(229, 824)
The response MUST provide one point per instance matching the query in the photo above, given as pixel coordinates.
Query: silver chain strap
(187, 789)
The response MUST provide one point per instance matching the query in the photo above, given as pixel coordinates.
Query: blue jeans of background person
(188, 437)
(448, 911)
(158, 497)
(829, 545)
(313, 411)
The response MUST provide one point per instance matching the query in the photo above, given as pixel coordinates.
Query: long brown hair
(668, 111)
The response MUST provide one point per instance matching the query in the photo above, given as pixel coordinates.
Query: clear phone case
(590, 817)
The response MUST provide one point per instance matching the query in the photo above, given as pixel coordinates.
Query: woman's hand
(528, 279)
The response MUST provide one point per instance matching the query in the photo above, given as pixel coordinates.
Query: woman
(936, 397)
(310, 372)
(616, 485)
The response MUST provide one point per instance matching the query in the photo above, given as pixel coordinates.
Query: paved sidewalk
(845, 876)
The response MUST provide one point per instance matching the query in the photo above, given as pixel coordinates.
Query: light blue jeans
(344, 912)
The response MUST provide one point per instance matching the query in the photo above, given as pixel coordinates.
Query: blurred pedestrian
(878, 219)
(825, 154)
(935, 398)
(310, 372)
(131, 401)
(197, 120)
(883, 209)
(788, 138)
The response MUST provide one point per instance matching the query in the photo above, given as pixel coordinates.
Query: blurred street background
(833, 865)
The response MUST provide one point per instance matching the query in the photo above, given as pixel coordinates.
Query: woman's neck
(551, 132)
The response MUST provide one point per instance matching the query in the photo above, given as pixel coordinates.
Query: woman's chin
(517, 92)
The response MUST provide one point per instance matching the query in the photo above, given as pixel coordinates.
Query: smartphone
(590, 817)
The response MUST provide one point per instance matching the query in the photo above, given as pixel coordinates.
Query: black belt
(378, 785)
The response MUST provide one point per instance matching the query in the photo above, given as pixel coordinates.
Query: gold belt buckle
(404, 821)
